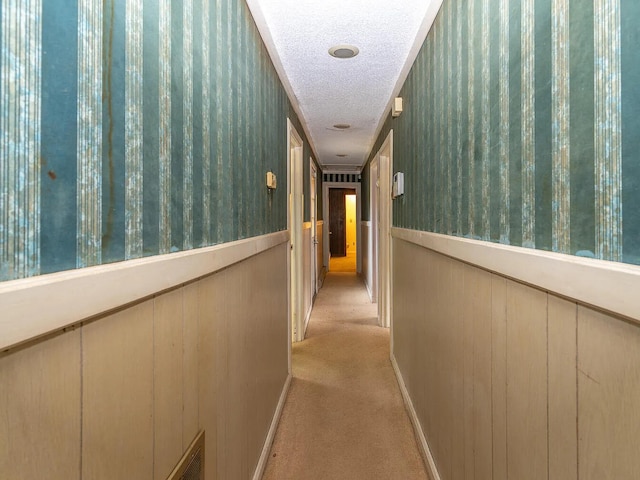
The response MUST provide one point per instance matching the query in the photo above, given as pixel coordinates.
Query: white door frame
(294, 225)
(327, 216)
(374, 216)
(385, 167)
(313, 194)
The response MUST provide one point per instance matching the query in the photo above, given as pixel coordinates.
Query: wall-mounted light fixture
(272, 182)
(396, 109)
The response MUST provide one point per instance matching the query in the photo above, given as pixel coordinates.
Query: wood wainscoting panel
(469, 278)
(499, 375)
(527, 454)
(40, 410)
(167, 382)
(190, 364)
(117, 419)
(211, 311)
(563, 406)
(480, 296)
(608, 397)
(456, 380)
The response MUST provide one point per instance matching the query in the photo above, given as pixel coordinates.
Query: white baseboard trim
(307, 317)
(36, 306)
(366, 284)
(427, 456)
(264, 456)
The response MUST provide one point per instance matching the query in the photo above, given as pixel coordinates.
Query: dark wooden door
(337, 220)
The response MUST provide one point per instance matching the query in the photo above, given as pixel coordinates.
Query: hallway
(344, 417)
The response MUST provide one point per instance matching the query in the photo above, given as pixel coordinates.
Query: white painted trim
(427, 456)
(295, 173)
(40, 305)
(608, 286)
(266, 449)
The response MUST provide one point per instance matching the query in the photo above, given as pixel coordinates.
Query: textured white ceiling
(328, 90)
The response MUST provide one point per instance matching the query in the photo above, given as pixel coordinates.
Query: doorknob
(330, 233)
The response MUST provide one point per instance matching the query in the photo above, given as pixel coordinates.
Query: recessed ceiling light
(344, 51)
(342, 126)
(342, 155)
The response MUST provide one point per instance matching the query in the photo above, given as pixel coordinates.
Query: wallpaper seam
(20, 130)
(187, 129)
(505, 230)
(608, 148)
(165, 127)
(206, 125)
(89, 150)
(560, 95)
(134, 121)
(528, 125)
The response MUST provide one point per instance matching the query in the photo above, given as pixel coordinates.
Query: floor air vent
(191, 465)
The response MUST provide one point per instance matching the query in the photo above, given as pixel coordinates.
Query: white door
(314, 234)
(375, 222)
(295, 232)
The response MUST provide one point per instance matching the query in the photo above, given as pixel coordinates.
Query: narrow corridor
(344, 417)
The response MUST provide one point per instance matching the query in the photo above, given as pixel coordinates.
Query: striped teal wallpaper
(132, 128)
(521, 127)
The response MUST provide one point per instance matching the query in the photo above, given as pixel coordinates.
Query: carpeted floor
(344, 417)
(343, 264)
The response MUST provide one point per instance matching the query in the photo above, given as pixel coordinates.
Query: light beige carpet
(344, 417)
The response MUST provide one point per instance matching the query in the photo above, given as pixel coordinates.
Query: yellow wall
(125, 394)
(351, 223)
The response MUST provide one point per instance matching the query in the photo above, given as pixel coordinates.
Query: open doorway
(334, 202)
(342, 230)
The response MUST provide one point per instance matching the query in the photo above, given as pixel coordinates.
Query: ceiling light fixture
(344, 51)
(342, 126)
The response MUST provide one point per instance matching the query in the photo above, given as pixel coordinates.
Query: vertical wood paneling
(499, 375)
(232, 413)
(117, 395)
(456, 378)
(40, 410)
(212, 313)
(563, 442)
(468, 360)
(190, 364)
(527, 455)
(480, 293)
(167, 382)
(608, 393)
